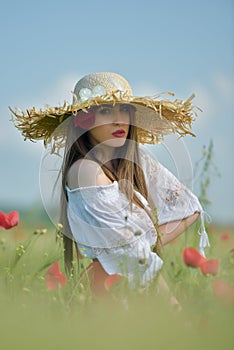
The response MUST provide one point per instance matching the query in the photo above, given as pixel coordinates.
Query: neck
(104, 154)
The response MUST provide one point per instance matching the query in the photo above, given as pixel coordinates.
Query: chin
(115, 142)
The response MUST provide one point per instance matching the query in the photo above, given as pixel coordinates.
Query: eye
(105, 110)
(125, 108)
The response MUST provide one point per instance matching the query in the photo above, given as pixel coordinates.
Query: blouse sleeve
(173, 200)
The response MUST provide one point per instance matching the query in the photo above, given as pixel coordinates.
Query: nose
(119, 116)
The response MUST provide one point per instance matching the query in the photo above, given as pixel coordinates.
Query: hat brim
(155, 118)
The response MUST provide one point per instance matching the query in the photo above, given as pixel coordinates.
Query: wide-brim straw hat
(154, 116)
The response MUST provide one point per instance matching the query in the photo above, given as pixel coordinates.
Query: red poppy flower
(111, 281)
(9, 220)
(54, 278)
(192, 257)
(223, 291)
(225, 236)
(210, 266)
(84, 119)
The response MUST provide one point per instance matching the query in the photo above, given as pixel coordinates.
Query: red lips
(119, 133)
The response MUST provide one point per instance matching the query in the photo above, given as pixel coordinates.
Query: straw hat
(154, 117)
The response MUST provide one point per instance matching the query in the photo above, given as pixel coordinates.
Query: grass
(34, 317)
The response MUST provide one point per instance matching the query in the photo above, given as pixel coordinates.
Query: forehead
(116, 105)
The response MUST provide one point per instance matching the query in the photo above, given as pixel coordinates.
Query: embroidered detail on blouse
(172, 196)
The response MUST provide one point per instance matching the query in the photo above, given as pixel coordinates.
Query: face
(111, 125)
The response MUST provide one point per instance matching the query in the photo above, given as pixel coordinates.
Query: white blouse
(104, 227)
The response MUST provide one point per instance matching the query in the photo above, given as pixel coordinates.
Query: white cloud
(205, 100)
(13, 142)
(60, 90)
(53, 94)
(224, 86)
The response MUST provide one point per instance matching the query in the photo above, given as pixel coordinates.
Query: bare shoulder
(86, 172)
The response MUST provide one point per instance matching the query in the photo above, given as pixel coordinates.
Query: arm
(172, 230)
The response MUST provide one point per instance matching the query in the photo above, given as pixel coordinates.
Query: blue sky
(179, 46)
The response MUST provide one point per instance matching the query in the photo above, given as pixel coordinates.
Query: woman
(116, 200)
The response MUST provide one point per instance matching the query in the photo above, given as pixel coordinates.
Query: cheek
(100, 132)
(84, 120)
(128, 119)
(102, 120)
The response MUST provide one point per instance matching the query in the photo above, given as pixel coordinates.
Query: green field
(33, 317)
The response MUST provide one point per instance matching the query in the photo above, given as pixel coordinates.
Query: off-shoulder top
(105, 228)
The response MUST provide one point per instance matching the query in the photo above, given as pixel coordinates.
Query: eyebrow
(106, 105)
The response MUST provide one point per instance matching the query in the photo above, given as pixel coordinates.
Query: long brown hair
(125, 166)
